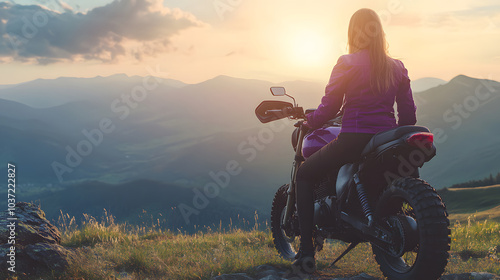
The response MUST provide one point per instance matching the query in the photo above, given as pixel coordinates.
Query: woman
(366, 82)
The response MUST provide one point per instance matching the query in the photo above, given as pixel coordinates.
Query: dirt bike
(378, 199)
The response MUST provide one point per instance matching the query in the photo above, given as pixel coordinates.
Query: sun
(308, 47)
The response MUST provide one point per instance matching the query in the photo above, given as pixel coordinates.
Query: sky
(279, 40)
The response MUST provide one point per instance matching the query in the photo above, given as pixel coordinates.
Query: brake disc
(405, 234)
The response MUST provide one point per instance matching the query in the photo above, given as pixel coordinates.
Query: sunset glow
(308, 47)
(194, 41)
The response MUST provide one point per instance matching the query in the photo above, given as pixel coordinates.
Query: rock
(50, 255)
(362, 276)
(237, 276)
(483, 276)
(267, 272)
(124, 276)
(37, 241)
(264, 267)
(271, 277)
(471, 276)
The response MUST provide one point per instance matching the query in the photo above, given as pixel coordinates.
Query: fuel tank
(319, 138)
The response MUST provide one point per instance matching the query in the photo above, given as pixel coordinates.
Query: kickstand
(351, 246)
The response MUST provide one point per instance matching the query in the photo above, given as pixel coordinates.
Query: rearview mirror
(278, 91)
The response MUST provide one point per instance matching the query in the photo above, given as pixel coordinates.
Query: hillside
(423, 84)
(104, 249)
(463, 117)
(153, 135)
(142, 203)
(491, 180)
(66, 131)
(481, 203)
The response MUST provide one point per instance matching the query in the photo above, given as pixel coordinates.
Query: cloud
(480, 11)
(66, 7)
(34, 32)
(480, 15)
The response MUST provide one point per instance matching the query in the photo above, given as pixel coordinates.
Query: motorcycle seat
(390, 135)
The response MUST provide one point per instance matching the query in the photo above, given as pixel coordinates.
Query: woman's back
(368, 112)
(365, 111)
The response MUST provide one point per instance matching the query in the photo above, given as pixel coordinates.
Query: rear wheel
(417, 217)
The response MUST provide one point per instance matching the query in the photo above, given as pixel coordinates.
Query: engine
(325, 212)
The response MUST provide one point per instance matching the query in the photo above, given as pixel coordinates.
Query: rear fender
(398, 148)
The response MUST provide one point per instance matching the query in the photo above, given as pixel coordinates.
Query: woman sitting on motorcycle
(366, 82)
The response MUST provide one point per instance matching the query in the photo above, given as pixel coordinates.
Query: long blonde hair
(365, 32)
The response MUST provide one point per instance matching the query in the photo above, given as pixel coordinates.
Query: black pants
(347, 147)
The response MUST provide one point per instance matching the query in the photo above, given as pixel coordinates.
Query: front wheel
(286, 235)
(285, 238)
(417, 217)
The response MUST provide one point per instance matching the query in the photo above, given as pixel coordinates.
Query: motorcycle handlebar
(279, 111)
(298, 112)
(291, 112)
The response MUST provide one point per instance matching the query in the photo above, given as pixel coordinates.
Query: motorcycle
(379, 199)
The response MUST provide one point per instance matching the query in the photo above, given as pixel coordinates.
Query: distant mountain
(149, 135)
(113, 130)
(426, 83)
(463, 114)
(176, 135)
(6, 86)
(143, 203)
(45, 93)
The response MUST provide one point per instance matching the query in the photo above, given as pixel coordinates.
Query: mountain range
(68, 132)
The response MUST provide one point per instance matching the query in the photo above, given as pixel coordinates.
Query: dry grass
(106, 250)
(492, 214)
(475, 246)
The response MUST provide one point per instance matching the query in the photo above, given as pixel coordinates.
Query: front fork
(299, 159)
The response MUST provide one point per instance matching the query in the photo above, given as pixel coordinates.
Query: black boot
(305, 263)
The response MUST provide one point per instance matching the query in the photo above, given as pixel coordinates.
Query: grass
(492, 214)
(470, 200)
(475, 246)
(107, 250)
(481, 202)
(156, 254)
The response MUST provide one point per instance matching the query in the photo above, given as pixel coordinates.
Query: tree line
(488, 181)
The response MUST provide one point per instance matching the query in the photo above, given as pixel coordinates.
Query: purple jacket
(364, 112)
